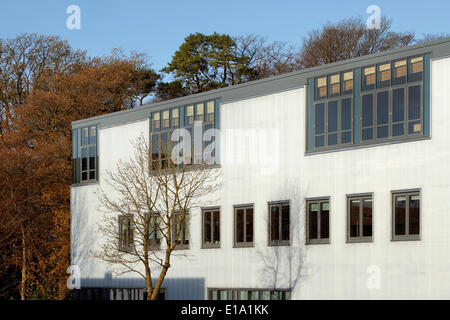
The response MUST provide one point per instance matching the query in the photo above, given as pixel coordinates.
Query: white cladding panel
(274, 167)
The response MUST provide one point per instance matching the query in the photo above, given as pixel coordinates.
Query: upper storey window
(84, 154)
(376, 103)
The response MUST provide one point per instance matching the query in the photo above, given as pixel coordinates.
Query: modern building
(335, 184)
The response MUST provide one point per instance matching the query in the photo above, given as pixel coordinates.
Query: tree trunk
(24, 264)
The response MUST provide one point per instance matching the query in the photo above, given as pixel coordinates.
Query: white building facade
(335, 184)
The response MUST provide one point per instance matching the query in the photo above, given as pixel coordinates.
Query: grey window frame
(390, 89)
(88, 146)
(169, 130)
(183, 246)
(206, 245)
(234, 293)
(244, 244)
(278, 204)
(319, 201)
(326, 100)
(156, 229)
(407, 236)
(361, 197)
(129, 246)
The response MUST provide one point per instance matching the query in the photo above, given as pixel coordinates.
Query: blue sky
(157, 28)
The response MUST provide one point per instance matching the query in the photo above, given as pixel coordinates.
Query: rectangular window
(406, 215)
(211, 228)
(384, 75)
(382, 114)
(347, 82)
(368, 78)
(415, 66)
(248, 294)
(318, 217)
(180, 230)
(334, 85)
(279, 224)
(243, 231)
(400, 72)
(359, 218)
(367, 112)
(154, 233)
(86, 165)
(126, 242)
(321, 88)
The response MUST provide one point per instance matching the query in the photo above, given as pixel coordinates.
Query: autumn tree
(348, 39)
(146, 206)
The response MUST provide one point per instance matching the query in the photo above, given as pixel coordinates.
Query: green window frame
(406, 214)
(360, 218)
(318, 221)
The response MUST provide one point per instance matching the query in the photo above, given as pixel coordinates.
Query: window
(333, 110)
(85, 158)
(211, 228)
(359, 218)
(126, 242)
(390, 103)
(154, 235)
(317, 221)
(243, 226)
(180, 233)
(279, 223)
(163, 124)
(406, 215)
(248, 294)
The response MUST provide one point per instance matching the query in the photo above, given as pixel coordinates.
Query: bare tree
(348, 39)
(146, 212)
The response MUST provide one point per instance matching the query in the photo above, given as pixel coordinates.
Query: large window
(279, 223)
(248, 294)
(165, 121)
(333, 115)
(406, 215)
(359, 218)
(154, 233)
(211, 228)
(382, 102)
(180, 230)
(126, 241)
(85, 157)
(318, 221)
(243, 226)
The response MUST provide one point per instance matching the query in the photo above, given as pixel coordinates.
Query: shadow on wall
(174, 288)
(283, 267)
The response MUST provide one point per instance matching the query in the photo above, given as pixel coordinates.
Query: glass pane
(367, 218)
(414, 127)
(400, 219)
(254, 295)
(216, 227)
(324, 221)
(84, 136)
(367, 110)
(347, 84)
(207, 226)
(384, 75)
(414, 102)
(321, 87)
(346, 116)
(274, 223)
(84, 176)
(92, 175)
(399, 72)
(354, 218)
(332, 116)
(249, 225)
(313, 212)
(84, 160)
(398, 105)
(382, 132)
(332, 139)
(265, 295)
(93, 135)
(91, 158)
(239, 225)
(156, 121)
(414, 214)
(346, 137)
(415, 69)
(367, 134)
(335, 84)
(383, 107)
(320, 141)
(320, 118)
(243, 295)
(285, 222)
(398, 129)
(368, 78)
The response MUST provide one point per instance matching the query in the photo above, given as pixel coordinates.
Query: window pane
(92, 135)
(320, 118)
(320, 141)
(414, 127)
(207, 226)
(313, 212)
(382, 107)
(399, 72)
(91, 158)
(332, 116)
(415, 69)
(382, 132)
(240, 225)
(367, 218)
(414, 102)
(84, 160)
(274, 226)
(321, 87)
(347, 84)
(367, 110)
(400, 219)
(216, 227)
(346, 117)
(367, 134)
(332, 139)
(414, 214)
(398, 105)
(84, 136)
(249, 225)
(368, 78)
(335, 84)
(324, 221)
(354, 218)
(384, 75)
(346, 137)
(285, 222)
(243, 295)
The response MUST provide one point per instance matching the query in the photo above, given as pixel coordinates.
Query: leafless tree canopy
(156, 199)
(348, 39)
